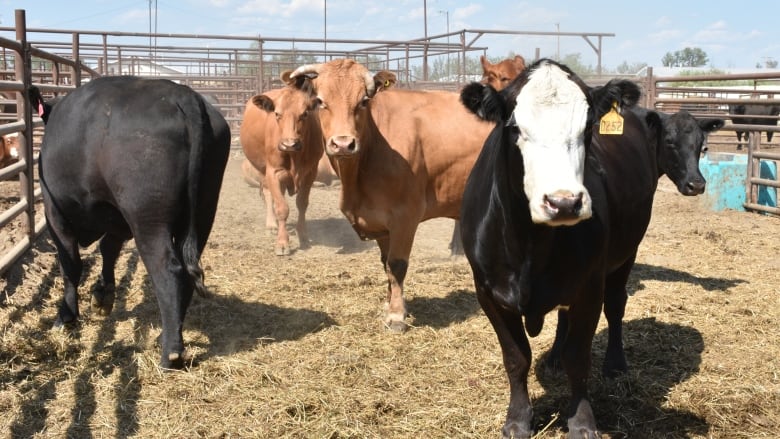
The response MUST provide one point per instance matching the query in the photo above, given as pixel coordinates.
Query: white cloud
(466, 12)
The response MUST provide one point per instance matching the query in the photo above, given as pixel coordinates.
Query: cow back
(432, 135)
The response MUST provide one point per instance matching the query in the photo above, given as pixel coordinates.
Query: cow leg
(270, 218)
(71, 268)
(395, 260)
(615, 298)
(456, 243)
(553, 359)
(281, 212)
(576, 359)
(103, 297)
(173, 289)
(516, 352)
(302, 203)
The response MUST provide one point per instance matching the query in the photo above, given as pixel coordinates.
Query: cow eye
(278, 115)
(364, 102)
(320, 103)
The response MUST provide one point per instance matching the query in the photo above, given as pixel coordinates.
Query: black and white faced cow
(536, 219)
(678, 149)
(122, 158)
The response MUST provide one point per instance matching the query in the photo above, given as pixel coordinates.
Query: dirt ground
(293, 347)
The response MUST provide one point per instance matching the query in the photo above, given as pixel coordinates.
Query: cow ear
(709, 125)
(484, 101)
(626, 93)
(519, 63)
(384, 80)
(485, 63)
(263, 102)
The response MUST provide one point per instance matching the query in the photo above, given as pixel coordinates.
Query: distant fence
(29, 193)
(231, 75)
(665, 93)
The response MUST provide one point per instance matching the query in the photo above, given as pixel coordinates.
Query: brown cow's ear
(263, 102)
(519, 63)
(384, 80)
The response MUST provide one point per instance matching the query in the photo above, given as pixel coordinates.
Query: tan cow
(282, 140)
(500, 74)
(9, 152)
(402, 156)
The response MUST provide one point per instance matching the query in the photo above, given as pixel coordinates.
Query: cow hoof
(397, 326)
(515, 431)
(103, 305)
(175, 360)
(281, 250)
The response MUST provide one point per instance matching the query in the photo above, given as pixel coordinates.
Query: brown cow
(9, 153)
(500, 74)
(285, 144)
(402, 156)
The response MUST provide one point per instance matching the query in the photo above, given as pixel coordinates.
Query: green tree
(626, 68)
(688, 57)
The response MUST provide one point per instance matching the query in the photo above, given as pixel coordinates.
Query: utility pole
(425, 33)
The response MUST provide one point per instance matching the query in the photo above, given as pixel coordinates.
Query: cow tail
(199, 130)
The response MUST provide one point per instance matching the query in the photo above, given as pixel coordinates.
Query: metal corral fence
(229, 75)
(711, 96)
(28, 195)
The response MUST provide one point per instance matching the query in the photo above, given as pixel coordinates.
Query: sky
(732, 37)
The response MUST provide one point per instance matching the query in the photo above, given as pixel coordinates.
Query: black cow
(748, 110)
(531, 252)
(683, 140)
(125, 157)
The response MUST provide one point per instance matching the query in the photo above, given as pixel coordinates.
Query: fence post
(76, 72)
(23, 66)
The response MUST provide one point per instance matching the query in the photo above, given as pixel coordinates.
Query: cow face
(548, 114)
(10, 149)
(292, 108)
(684, 139)
(499, 75)
(343, 89)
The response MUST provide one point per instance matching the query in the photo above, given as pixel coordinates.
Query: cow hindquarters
(516, 353)
(173, 288)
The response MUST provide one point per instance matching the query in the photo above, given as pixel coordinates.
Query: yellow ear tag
(612, 122)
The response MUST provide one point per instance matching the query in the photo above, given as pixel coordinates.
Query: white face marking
(551, 113)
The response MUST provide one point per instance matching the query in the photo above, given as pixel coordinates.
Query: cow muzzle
(342, 145)
(289, 145)
(693, 187)
(563, 208)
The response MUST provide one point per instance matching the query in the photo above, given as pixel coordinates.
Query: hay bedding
(294, 346)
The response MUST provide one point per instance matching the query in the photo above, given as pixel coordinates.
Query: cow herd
(552, 181)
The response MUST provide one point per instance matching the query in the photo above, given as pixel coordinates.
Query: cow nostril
(564, 205)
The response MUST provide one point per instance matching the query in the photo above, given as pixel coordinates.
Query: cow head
(292, 109)
(548, 113)
(343, 89)
(500, 74)
(9, 153)
(684, 139)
